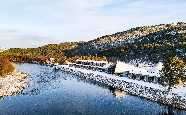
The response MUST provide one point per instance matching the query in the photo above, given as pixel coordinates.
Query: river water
(53, 92)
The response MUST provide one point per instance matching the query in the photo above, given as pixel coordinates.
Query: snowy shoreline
(13, 84)
(151, 91)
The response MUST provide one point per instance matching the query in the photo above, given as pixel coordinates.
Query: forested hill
(152, 43)
(43, 53)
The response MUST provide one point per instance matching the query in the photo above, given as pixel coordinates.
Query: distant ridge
(162, 35)
(148, 43)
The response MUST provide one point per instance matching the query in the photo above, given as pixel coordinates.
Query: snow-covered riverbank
(150, 91)
(12, 84)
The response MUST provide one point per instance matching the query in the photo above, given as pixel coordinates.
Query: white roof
(150, 71)
(93, 61)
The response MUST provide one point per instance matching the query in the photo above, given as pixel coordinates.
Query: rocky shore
(149, 91)
(13, 84)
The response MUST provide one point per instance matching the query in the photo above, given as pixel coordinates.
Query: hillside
(43, 53)
(148, 43)
(152, 41)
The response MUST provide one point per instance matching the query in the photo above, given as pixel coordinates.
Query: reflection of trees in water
(42, 80)
(168, 111)
(45, 79)
(118, 93)
(81, 79)
(1, 98)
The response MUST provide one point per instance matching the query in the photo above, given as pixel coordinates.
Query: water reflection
(168, 111)
(117, 93)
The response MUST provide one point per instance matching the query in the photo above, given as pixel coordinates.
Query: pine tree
(173, 71)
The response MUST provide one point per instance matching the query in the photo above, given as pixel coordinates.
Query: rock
(13, 84)
(132, 88)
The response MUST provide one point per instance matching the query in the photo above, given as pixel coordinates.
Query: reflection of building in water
(117, 93)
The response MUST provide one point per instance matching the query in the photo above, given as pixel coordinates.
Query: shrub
(6, 66)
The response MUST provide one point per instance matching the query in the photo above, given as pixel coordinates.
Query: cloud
(74, 20)
(14, 38)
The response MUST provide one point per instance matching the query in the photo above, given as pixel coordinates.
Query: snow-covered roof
(150, 71)
(104, 67)
(99, 62)
(92, 61)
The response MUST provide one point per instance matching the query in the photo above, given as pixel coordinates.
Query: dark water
(55, 93)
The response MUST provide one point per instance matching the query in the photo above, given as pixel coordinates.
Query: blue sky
(31, 23)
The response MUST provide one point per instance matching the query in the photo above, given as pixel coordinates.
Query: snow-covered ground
(178, 90)
(13, 84)
(152, 85)
(143, 68)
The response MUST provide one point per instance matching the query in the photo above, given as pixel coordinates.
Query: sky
(32, 23)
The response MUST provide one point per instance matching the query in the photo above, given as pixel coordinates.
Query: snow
(98, 62)
(172, 33)
(92, 66)
(141, 69)
(179, 90)
(156, 92)
(93, 61)
(142, 83)
(13, 84)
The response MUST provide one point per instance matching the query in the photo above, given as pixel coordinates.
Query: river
(53, 92)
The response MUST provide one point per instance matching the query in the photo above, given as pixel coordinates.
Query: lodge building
(102, 66)
(147, 73)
